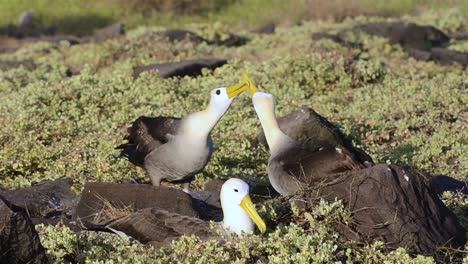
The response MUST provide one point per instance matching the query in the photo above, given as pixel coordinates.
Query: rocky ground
(395, 88)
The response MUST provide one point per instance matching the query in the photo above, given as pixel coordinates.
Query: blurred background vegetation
(82, 17)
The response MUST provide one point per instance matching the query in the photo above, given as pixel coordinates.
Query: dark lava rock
(181, 34)
(459, 36)
(408, 35)
(442, 183)
(313, 130)
(395, 205)
(112, 31)
(47, 199)
(332, 37)
(182, 68)
(231, 41)
(440, 55)
(266, 29)
(8, 65)
(19, 241)
(420, 42)
(446, 56)
(129, 197)
(14, 31)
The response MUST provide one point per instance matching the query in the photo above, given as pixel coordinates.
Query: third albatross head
(238, 209)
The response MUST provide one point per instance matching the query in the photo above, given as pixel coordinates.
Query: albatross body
(176, 149)
(292, 166)
(161, 227)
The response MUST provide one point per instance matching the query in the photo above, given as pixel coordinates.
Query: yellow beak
(246, 84)
(250, 86)
(249, 208)
(235, 90)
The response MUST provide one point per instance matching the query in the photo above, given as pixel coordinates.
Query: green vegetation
(81, 17)
(399, 110)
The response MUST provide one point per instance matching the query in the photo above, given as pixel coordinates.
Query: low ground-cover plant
(396, 108)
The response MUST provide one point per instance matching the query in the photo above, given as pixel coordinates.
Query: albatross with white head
(176, 149)
(292, 166)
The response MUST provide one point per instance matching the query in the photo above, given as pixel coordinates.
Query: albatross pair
(176, 149)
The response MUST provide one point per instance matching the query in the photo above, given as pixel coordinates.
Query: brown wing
(310, 166)
(146, 134)
(160, 226)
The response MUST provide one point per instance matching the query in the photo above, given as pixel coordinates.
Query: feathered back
(145, 135)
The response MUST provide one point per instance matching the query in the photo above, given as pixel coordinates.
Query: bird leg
(156, 181)
(186, 187)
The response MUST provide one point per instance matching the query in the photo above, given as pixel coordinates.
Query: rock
(181, 34)
(8, 65)
(446, 56)
(26, 19)
(393, 204)
(112, 31)
(19, 241)
(46, 199)
(442, 183)
(210, 197)
(459, 36)
(214, 185)
(408, 35)
(332, 37)
(128, 198)
(182, 68)
(313, 130)
(231, 41)
(266, 29)
(420, 42)
(440, 55)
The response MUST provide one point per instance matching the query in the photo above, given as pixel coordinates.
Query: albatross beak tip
(251, 87)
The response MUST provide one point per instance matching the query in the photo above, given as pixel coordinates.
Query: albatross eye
(218, 92)
(236, 190)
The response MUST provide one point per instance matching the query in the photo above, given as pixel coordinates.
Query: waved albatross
(176, 149)
(160, 227)
(292, 166)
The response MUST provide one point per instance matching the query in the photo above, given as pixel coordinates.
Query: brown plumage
(161, 227)
(160, 214)
(176, 149)
(145, 135)
(293, 166)
(297, 167)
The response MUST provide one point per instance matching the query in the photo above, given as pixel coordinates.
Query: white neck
(200, 124)
(236, 219)
(273, 134)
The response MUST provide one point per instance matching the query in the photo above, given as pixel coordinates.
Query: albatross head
(221, 98)
(238, 209)
(264, 104)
